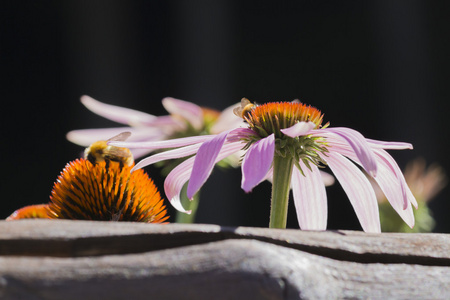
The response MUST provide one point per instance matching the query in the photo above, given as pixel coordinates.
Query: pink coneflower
(185, 119)
(286, 141)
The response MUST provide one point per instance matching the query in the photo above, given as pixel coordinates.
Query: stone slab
(57, 259)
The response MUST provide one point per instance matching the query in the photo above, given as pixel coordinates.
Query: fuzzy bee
(245, 108)
(101, 151)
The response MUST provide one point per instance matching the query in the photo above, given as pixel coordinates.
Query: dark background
(381, 67)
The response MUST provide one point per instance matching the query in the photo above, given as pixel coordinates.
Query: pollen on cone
(105, 191)
(269, 118)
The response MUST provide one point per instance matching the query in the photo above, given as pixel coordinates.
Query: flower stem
(181, 217)
(282, 173)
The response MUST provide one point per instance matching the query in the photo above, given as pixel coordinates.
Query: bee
(245, 108)
(101, 151)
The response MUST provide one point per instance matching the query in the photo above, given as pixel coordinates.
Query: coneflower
(285, 141)
(105, 191)
(101, 187)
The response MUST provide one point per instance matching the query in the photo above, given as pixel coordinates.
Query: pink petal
(116, 113)
(187, 110)
(85, 137)
(356, 141)
(227, 120)
(175, 181)
(164, 144)
(299, 129)
(204, 162)
(327, 179)
(166, 155)
(168, 124)
(238, 134)
(393, 168)
(391, 186)
(138, 153)
(358, 189)
(389, 145)
(257, 162)
(310, 198)
(183, 172)
(390, 165)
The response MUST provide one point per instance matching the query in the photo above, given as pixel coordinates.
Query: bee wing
(244, 102)
(238, 110)
(120, 137)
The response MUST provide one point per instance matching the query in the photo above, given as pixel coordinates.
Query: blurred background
(381, 67)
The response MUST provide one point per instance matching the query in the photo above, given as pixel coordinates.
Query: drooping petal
(164, 144)
(227, 120)
(392, 188)
(187, 110)
(356, 141)
(204, 162)
(394, 169)
(327, 179)
(299, 129)
(390, 165)
(358, 189)
(257, 162)
(175, 181)
(389, 145)
(85, 137)
(183, 172)
(310, 198)
(169, 154)
(116, 113)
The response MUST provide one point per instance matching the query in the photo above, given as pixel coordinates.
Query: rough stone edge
(84, 238)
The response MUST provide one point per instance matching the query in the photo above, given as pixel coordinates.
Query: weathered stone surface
(46, 259)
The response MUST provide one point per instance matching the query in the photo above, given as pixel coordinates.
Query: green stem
(282, 173)
(181, 217)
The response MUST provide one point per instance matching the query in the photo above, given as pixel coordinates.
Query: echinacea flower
(185, 119)
(105, 191)
(286, 141)
(101, 187)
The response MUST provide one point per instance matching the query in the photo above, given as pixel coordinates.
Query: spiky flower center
(105, 191)
(270, 118)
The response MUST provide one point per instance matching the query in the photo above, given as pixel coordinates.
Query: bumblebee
(101, 151)
(245, 108)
